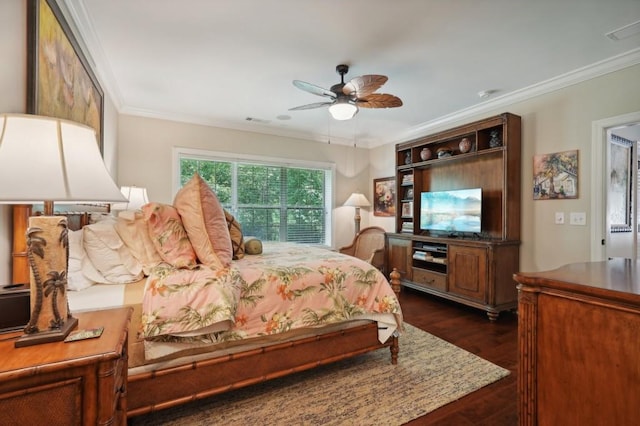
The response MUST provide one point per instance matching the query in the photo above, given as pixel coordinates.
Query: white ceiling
(219, 62)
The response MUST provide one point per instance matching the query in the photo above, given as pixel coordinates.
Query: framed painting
(555, 176)
(384, 196)
(60, 82)
(620, 184)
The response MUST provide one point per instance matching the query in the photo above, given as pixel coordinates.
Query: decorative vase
(495, 141)
(465, 145)
(407, 158)
(425, 154)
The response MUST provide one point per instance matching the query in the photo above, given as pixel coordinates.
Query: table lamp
(136, 198)
(357, 200)
(49, 159)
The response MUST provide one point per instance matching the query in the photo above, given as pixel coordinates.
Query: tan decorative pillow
(205, 223)
(168, 235)
(235, 232)
(134, 232)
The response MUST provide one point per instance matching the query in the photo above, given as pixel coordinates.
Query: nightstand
(76, 383)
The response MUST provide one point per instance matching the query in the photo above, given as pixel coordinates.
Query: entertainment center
(438, 247)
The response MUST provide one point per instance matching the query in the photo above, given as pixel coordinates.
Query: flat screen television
(453, 211)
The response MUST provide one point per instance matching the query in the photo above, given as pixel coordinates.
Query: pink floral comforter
(289, 286)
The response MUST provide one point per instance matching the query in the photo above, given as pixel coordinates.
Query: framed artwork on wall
(619, 196)
(555, 176)
(384, 196)
(60, 81)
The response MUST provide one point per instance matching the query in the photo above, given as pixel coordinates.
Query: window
(273, 199)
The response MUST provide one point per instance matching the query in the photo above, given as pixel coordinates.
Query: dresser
(579, 344)
(76, 383)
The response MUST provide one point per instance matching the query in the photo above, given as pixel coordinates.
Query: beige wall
(554, 122)
(13, 89)
(13, 15)
(557, 121)
(145, 159)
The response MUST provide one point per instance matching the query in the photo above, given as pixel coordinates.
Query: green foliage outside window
(271, 202)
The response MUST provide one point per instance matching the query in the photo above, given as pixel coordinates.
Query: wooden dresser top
(26, 361)
(615, 278)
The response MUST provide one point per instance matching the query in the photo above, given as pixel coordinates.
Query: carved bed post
(395, 285)
(395, 281)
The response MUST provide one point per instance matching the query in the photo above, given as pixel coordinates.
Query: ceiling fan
(346, 98)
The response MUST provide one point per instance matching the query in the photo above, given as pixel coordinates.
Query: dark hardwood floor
(470, 329)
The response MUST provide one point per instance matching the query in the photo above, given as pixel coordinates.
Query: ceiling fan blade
(379, 100)
(364, 85)
(312, 88)
(311, 106)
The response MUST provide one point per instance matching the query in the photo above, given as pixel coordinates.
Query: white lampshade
(49, 159)
(357, 199)
(343, 109)
(137, 198)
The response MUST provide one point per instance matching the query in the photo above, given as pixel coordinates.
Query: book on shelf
(406, 227)
(407, 179)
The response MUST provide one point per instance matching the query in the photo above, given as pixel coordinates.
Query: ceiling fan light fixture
(343, 110)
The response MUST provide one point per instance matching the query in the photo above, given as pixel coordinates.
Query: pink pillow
(168, 235)
(205, 222)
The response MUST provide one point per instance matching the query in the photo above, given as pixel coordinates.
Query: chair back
(368, 241)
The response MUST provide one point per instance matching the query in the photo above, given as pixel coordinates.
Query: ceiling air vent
(257, 120)
(624, 32)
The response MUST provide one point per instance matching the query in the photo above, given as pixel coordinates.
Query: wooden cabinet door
(468, 269)
(399, 256)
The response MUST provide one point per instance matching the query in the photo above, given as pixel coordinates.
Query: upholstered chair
(368, 245)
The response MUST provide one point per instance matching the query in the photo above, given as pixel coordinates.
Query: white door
(621, 192)
(614, 200)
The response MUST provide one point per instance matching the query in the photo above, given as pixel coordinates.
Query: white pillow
(76, 279)
(108, 253)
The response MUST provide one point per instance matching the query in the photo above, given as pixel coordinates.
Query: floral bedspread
(287, 287)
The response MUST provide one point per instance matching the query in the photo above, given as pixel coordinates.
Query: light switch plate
(578, 218)
(559, 218)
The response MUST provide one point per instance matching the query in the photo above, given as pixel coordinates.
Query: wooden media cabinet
(471, 268)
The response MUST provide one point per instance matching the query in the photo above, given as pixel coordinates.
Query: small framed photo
(407, 209)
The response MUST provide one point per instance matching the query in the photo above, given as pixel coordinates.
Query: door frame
(599, 159)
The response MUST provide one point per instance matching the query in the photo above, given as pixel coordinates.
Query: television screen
(451, 211)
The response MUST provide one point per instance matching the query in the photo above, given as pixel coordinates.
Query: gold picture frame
(60, 81)
(384, 196)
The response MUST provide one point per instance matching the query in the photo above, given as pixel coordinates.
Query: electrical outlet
(559, 218)
(578, 218)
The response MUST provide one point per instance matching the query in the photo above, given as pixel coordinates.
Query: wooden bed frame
(168, 387)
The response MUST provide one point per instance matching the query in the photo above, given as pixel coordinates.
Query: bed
(168, 368)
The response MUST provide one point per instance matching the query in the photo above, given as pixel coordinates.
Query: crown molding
(609, 65)
(80, 19)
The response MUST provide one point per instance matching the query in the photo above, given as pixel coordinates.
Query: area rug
(365, 390)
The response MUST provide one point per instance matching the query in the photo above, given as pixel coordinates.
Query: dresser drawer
(430, 279)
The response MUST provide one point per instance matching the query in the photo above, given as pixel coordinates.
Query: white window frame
(180, 152)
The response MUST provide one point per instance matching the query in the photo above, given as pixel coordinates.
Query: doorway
(614, 204)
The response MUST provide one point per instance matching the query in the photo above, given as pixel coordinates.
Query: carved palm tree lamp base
(48, 253)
